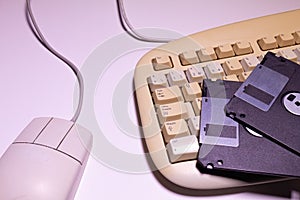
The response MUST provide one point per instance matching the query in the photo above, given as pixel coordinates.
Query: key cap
(288, 54)
(267, 43)
(176, 77)
(297, 37)
(224, 51)
(232, 67)
(190, 111)
(196, 104)
(242, 47)
(207, 54)
(191, 91)
(214, 70)
(172, 111)
(285, 39)
(260, 57)
(157, 81)
(249, 63)
(195, 73)
(232, 77)
(172, 129)
(167, 95)
(193, 124)
(184, 148)
(243, 76)
(188, 58)
(297, 52)
(162, 62)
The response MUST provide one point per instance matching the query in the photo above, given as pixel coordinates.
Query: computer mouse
(46, 161)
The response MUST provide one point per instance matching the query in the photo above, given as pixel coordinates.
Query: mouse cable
(38, 34)
(131, 30)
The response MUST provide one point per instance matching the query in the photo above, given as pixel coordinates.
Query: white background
(34, 83)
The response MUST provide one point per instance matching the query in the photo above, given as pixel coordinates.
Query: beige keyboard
(168, 83)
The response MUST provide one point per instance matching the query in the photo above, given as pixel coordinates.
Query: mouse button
(77, 143)
(54, 133)
(32, 130)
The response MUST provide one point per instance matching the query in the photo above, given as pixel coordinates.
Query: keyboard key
(297, 37)
(285, 39)
(288, 54)
(184, 148)
(157, 81)
(249, 63)
(195, 74)
(172, 111)
(172, 129)
(207, 54)
(167, 95)
(243, 76)
(224, 51)
(188, 58)
(197, 105)
(191, 91)
(242, 47)
(297, 52)
(232, 67)
(190, 111)
(194, 125)
(176, 77)
(260, 57)
(162, 62)
(214, 70)
(267, 43)
(231, 77)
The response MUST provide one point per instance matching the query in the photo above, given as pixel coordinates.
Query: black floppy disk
(268, 102)
(226, 146)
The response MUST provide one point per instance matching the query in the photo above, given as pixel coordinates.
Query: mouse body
(46, 161)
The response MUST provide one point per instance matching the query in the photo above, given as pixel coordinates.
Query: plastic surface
(33, 170)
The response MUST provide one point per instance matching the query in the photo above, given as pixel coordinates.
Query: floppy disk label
(216, 128)
(260, 89)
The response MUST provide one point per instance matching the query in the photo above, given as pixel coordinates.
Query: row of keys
(197, 73)
(215, 70)
(175, 78)
(210, 53)
(281, 40)
(190, 91)
(229, 50)
(204, 54)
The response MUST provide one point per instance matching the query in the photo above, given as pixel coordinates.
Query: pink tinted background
(33, 83)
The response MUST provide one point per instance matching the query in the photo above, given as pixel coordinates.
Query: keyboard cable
(39, 35)
(129, 29)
